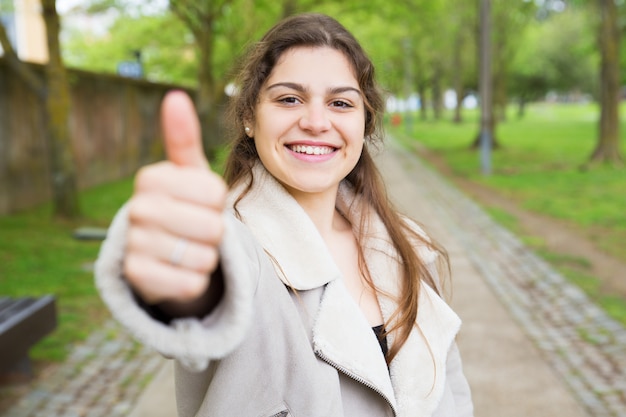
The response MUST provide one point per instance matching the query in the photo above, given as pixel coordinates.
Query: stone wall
(114, 126)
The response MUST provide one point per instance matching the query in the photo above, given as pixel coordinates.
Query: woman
(294, 288)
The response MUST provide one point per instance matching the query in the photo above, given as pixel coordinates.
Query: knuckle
(220, 189)
(192, 287)
(132, 269)
(137, 207)
(208, 258)
(151, 175)
(218, 228)
(134, 237)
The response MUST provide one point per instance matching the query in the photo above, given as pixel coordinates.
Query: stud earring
(247, 129)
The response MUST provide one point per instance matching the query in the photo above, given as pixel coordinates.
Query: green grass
(38, 255)
(540, 165)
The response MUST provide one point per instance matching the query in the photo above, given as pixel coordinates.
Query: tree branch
(33, 81)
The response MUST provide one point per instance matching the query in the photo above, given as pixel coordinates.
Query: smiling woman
(291, 286)
(309, 123)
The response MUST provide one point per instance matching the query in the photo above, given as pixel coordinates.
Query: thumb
(181, 131)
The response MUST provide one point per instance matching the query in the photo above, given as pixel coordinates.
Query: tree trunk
(34, 82)
(458, 77)
(499, 94)
(488, 120)
(290, 7)
(63, 173)
(207, 96)
(437, 95)
(607, 147)
(421, 91)
(521, 107)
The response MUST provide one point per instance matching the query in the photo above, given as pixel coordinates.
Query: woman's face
(310, 121)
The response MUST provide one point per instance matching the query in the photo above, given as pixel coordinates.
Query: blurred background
(518, 103)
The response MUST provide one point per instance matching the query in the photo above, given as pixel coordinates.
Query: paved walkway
(532, 344)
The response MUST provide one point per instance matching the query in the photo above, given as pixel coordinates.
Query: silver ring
(179, 250)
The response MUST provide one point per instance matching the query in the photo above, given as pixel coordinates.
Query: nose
(315, 118)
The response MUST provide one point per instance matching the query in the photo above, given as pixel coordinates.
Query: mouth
(312, 150)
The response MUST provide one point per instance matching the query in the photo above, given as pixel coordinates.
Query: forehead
(314, 65)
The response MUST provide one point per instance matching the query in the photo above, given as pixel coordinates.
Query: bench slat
(15, 307)
(20, 331)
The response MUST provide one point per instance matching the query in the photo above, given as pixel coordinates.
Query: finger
(167, 248)
(178, 218)
(156, 281)
(192, 185)
(181, 131)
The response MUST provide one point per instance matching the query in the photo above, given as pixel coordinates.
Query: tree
(508, 22)
(607, 147)
(167, 49)
(608, 16)
(464, 16)
(54, 92)
(557, 54)
(211, 24)
(201, 18)
(193, 42)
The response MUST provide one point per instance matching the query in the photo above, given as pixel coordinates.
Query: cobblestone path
(585, 346)
(101, 378)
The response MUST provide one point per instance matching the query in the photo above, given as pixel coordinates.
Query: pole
(486, 108)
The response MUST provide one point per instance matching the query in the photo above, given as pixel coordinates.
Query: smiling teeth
(312, 150)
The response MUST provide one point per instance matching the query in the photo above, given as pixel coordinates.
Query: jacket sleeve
(458, 384)
(193, 342)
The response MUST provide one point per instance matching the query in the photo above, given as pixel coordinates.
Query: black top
(378, 331)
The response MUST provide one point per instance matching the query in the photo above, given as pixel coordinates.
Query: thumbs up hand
(175, 214)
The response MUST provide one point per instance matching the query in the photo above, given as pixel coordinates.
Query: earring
(247, 129)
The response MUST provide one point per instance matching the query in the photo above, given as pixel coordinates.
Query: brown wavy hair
(317, 30)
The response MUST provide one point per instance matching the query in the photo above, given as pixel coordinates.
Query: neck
(321, 209)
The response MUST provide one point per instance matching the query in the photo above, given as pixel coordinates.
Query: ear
(248, 126)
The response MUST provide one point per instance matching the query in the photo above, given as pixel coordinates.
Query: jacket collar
(271, 213)
(415, 380)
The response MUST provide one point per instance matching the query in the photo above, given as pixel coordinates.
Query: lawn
(39, 256)
(541, 165)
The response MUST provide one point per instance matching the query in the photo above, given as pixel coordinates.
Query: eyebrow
(302, 89)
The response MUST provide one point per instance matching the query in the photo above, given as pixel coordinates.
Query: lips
(312, 149)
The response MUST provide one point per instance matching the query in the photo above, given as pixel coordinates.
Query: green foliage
(557, 53)
(427, 41)
(39, 256)
(167, 49)
(6, 6)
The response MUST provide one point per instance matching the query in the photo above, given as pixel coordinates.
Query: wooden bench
(23, 322)
(90, 233)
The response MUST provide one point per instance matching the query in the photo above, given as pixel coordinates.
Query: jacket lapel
(343, 338)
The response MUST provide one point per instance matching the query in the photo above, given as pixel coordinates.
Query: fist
(175, 214)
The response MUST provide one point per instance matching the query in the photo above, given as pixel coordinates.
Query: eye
(342, 104)
(288, 100)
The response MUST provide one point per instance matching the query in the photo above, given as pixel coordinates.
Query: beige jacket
(287, 339)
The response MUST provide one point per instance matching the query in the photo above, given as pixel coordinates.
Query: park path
(532, 344)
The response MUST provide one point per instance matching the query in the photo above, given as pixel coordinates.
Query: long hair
(317, 30)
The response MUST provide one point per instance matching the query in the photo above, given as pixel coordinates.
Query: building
(26, 30)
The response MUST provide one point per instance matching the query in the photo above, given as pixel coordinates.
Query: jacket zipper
(356, 378)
